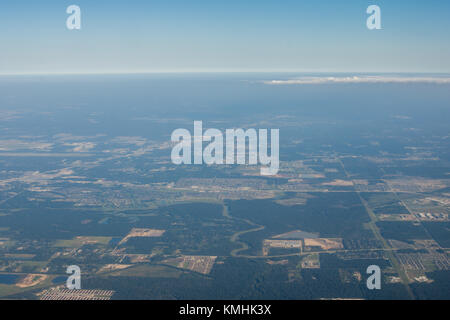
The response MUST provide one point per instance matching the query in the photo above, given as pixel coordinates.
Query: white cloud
(81, 146)
(360, 79)
(13, 144)
(138, 141)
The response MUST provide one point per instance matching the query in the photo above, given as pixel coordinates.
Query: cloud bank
(360, 79)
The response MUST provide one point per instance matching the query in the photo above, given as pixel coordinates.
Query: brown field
(141, 232)
(324, 243)
(200, 264)
(283, 243)
(339, 183)
(281, 262)
(113, 267)
(396, 217)
(31, 280)
(408, 184)
(286, 244)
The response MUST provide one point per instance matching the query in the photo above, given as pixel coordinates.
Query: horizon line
(214, 71)
(193, 71)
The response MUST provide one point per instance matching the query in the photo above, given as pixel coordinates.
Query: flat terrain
(86, 179)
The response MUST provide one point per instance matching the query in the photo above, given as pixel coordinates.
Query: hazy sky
(231, 35)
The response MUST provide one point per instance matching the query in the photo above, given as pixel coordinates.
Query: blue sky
(244, 35)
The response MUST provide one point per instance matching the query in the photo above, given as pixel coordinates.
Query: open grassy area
(148, 271)
(12, 289)
(80, 241)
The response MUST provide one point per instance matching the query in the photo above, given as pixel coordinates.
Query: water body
(9, 278)
(59, 279)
